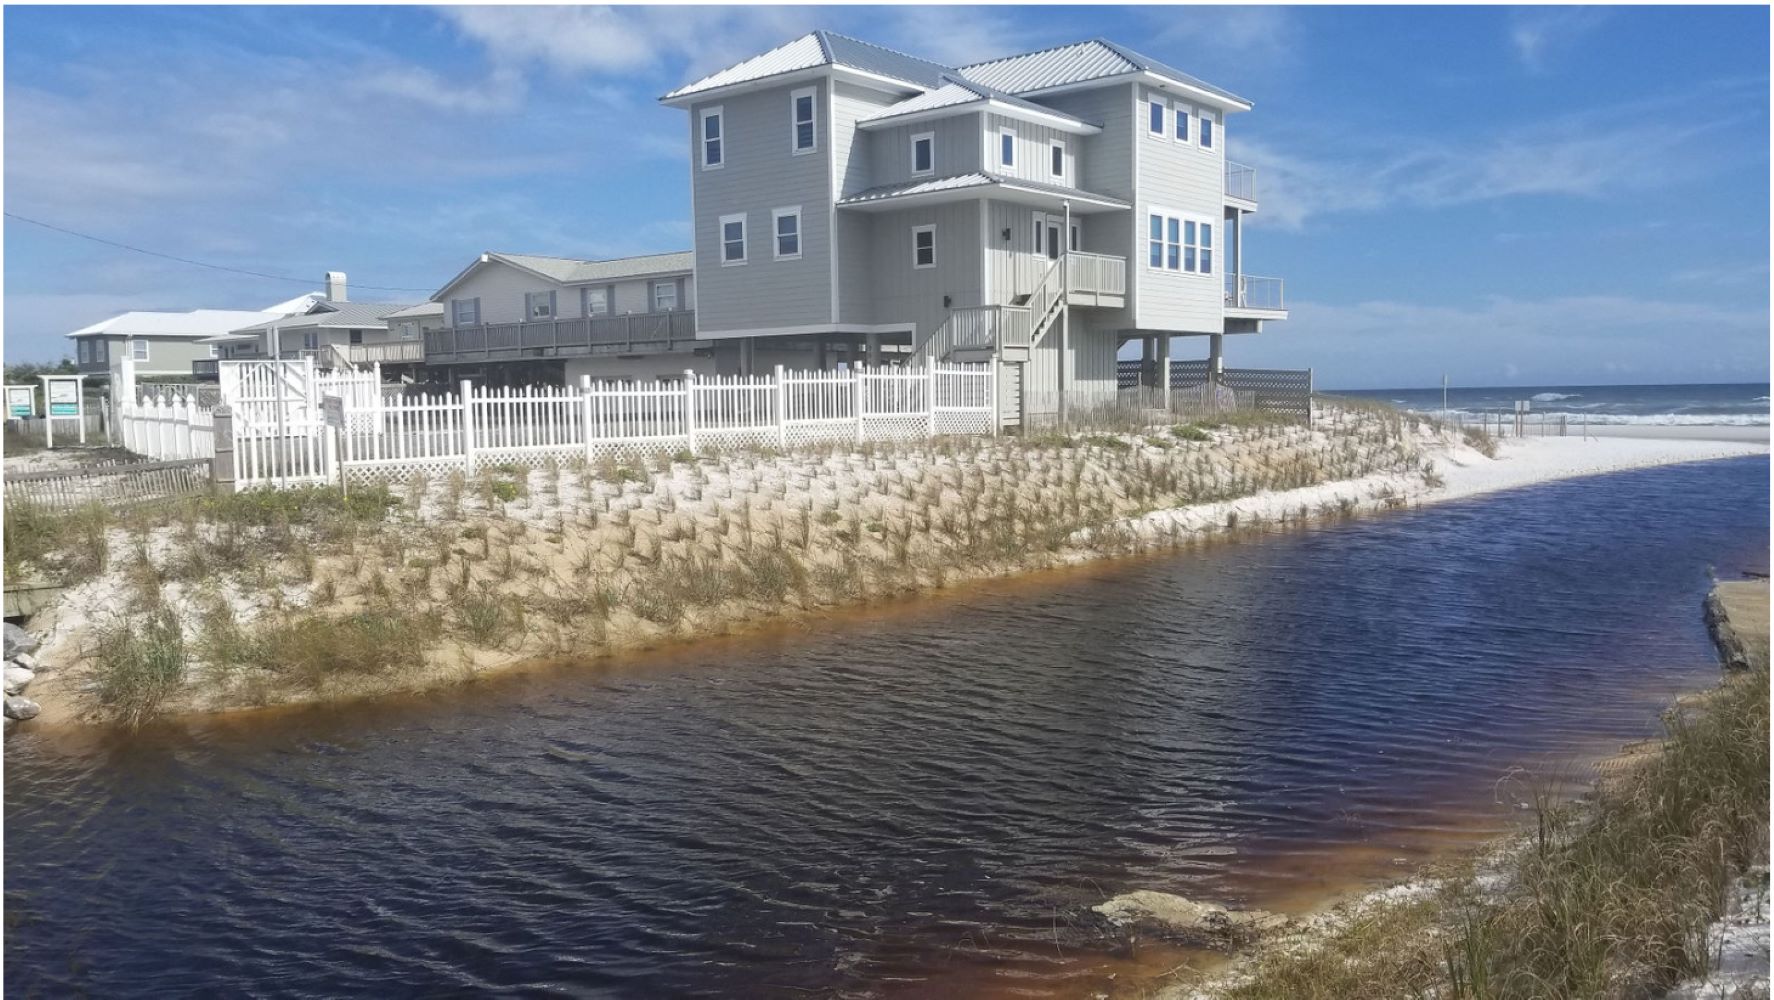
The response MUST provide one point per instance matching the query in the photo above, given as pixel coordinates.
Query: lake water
(920, 801)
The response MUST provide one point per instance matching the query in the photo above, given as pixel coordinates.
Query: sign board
(332, 411)
(21, 402)
(64, 398)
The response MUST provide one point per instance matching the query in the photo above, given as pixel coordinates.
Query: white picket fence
(479, 428)
(167, 428)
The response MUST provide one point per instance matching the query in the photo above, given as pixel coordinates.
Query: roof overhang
(786, 78)
(1158, 80)
(1082, 203)
(231, 338)
(1055, 121)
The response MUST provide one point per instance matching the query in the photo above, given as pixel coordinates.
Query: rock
(1185, 919)
(17, 678)
(21, 708)
(26, 660)
(17, 641)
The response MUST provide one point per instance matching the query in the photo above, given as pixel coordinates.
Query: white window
(665, 296)
(139, 349)
(1155, 118)
(597, 301)
(713, 149)
(1176, 242)
(538, 305)
(1182, 120)
(465, 312)
(787, 224)
(732, 240)
(1007, 148)
(924, 153)
(1207, 124)
(215, 350)
(805, 137)
(1057, 153)
(923, 246)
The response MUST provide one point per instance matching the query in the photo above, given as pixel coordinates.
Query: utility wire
(199, 263)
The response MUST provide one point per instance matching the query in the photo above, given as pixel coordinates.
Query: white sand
(1526, 461)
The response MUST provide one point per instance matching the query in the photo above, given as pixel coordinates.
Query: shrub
(135, 669)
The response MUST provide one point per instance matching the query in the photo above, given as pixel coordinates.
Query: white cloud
(1251, 39)
(610, 40)
(1538, 34)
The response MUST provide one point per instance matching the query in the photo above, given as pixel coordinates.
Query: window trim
(1188, 243)
(929, 137)
(653, 288)
(702, 140)
(1006, 132)
(1064, 172)
(744, 240)
(1163, 107)
(794, 122)
(529, 309)
(215, 350)
(1183, 134)
(1206, 123)
(456, 312)
(585, 301)
(916, 230)
(138, 349)
(776, 215)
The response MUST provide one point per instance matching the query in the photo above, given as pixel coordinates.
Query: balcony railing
(391, 352)
(636, 333)
(1247, 291)
(206, 367)
(1095, 274)
(1241, 182)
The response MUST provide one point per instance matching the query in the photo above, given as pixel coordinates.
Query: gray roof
(326, 313)
(822, 48)
(959, 93)
(572, 271)
(1078, 62)
(962, 182)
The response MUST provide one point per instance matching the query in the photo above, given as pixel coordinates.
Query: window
(1206, 130)
(597, 301)
(788, 232)
(538, 305)
(215, 350)
(101, 350)
(732, 240)
(713, 149)
(139, 349)
(84, 350)
(1182, 118)
(1059, 159)
(924, 153)
(356, 337)
(923, 246)
(1155, 118)
(1178, 243)
(665, 296)
(1007, 148)
(805, 137)
(465, 312)
(311, 340)
(409, 329)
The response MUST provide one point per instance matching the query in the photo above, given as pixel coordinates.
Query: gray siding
(851, 168)
(912, 298)
(1090, 361)
(501, 289)
(759, 173)
(1033, 145)
(1191, 180)
(957, 149)
(166, 355)
(1106, 167)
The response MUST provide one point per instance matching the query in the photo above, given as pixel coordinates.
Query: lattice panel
(822, 433)
(894, 428)
(963, 423)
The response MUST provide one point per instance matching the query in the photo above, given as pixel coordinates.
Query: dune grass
(1608, 898)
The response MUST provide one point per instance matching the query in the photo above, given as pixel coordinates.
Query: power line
(199, 263)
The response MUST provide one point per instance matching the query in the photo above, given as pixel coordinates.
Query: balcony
(1251, 296)
(1096, 279)
(1241, 186)
(393, 352)
(206, 368)
(636, 333)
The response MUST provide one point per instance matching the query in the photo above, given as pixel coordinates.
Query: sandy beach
(1526, 461)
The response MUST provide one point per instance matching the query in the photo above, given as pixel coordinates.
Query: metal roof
(357, 315)
(422, 309)
(822, 48)
(571, 271)
(1078, 62)
(957, 93)
(964, 182)
(195, 323)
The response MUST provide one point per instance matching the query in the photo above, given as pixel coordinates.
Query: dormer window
(805, 137)
(924, 153)
(713, 149)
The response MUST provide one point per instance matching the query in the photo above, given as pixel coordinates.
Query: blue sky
(1510, 195)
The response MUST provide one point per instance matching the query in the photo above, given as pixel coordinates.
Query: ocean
(1743, 403)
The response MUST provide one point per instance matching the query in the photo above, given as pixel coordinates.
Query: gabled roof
(573, 271)
(195, 323)
(1080, 62)
(958, 95)
(326, 313)
(821, 48)
(422, 309)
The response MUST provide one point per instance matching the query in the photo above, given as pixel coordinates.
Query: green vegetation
(1610, 897)
(136, 667)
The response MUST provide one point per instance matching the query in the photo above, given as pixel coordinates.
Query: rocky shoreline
(21, 669)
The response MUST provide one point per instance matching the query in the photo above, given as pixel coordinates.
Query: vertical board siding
(913, 298)
(957, 149)
(1185, 178)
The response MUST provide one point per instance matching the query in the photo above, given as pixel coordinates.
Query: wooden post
(690, 410)
(781, 408)
(467, 389)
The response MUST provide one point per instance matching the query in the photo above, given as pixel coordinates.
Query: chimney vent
(335, 286)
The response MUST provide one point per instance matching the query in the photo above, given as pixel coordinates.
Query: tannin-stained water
(921, 802)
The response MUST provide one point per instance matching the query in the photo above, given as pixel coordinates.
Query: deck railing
(390, 352)
(1241, 181)
(635, 333)
(1096, 274)
(1248, 291)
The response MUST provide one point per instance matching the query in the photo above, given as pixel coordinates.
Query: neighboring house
(513, 318)
(1039, 210)
(163, 344)
(412, 322)
(331, 329)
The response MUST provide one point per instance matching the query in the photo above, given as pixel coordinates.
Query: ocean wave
(1548, 397)
(1649, 419)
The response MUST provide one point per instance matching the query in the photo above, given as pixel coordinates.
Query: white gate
(279, 433)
